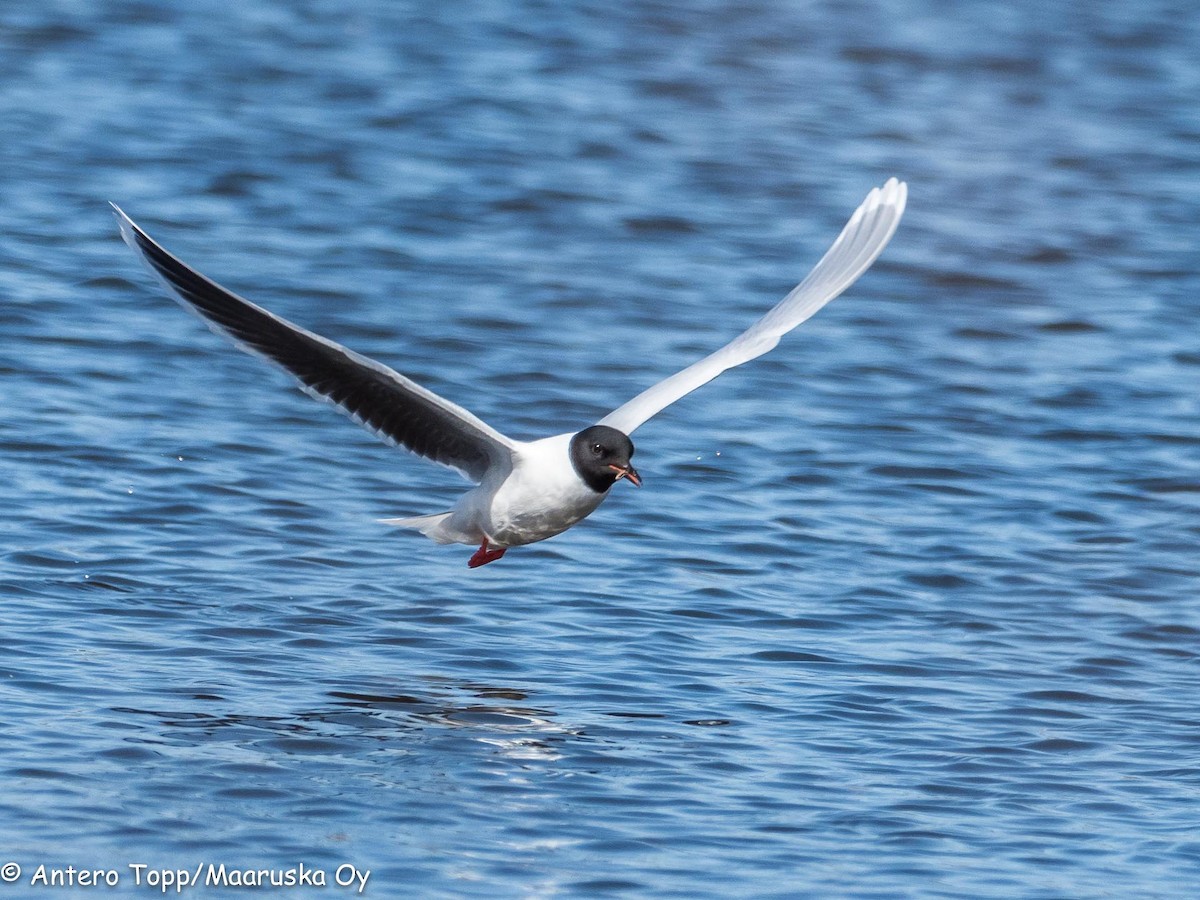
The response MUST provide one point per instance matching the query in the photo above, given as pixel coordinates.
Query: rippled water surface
(907, 608)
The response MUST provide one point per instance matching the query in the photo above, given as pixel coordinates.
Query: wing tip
(119, 214)
(894, 193)
(130, 232)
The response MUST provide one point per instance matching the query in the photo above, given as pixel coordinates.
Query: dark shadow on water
(488, 712)
(495, 707)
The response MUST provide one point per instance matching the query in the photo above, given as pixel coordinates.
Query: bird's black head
(601, 457)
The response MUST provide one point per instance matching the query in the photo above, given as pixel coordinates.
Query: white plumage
(526, 491)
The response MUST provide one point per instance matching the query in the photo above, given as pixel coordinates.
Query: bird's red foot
(483, 555)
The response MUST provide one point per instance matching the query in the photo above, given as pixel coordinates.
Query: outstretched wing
(378, 398)
(861, 241)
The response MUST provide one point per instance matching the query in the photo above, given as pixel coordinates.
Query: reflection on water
(351, 717)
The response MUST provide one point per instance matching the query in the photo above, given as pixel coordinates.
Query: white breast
(542, 497)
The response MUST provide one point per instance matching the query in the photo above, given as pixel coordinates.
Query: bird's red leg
(483, 555)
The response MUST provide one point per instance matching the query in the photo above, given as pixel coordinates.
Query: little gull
(525, 491)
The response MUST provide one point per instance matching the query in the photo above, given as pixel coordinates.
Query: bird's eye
(597, 449)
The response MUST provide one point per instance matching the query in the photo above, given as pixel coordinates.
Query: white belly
(541, 498)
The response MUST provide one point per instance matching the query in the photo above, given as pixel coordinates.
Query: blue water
(907, 608)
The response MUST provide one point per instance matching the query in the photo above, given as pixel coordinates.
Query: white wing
(385, 402)
(861, 241)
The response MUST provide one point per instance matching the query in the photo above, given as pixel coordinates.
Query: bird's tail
(433, 527)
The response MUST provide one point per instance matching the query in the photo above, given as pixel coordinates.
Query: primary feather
(380, 399)
(860, 243)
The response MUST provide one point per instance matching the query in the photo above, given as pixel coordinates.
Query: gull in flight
(525, 491)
